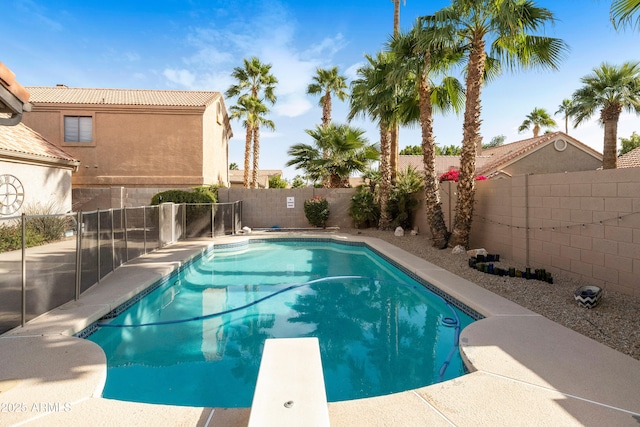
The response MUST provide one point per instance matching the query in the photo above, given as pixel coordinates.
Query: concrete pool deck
(527, 370)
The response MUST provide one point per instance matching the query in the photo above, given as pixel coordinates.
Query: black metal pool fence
(84, 247)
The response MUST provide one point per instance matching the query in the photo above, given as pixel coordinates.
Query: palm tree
(348, 152)
(566, 109)
(372, 95)
(253, 80)
(622, 12)
(325, 82)
(610, 90)
(420, 58)
(507, 28)
(537, 118)
(396, 16)
(252, 112)
(395, 132)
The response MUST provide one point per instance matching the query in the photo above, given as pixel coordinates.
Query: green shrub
(402, 201)
(276, 181)
(317, 211)
(11, 237)
(198, 195)
(363, 209)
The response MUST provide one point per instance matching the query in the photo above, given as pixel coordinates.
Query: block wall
(585, 224)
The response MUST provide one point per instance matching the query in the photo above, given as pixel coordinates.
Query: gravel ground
(615, 321)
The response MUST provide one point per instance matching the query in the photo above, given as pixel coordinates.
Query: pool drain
(288, 404)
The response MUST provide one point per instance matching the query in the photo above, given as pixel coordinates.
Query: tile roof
(503, 154)
(443, 163)
(22, 141)
(630, 159)
(492, 159)
(8, 80)
(85, 96)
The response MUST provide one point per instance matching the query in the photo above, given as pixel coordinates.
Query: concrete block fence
(284, 208)
(585, 224)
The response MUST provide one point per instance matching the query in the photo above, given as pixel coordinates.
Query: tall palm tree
(420, 58)
(372, 95)
(610, 89)
(348, 150)
(395, 132)
(507, 28)
(537, 118)
(251, 111)
(396, 16)
(622, 12)
(565, 108)
(325, 82)
(253, 80)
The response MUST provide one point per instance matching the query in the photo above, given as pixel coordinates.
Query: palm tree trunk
(471, 145)
(256, 156)
(396, 17)
(609, 116)
(385, 175)
(247, 155)
(326, 109)
(393, 152)
(326, 120)
(435, 217)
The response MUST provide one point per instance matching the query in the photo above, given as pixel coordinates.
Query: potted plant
(317, 211)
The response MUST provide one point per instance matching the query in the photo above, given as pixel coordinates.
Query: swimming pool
(197, 339)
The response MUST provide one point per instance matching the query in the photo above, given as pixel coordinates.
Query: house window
(78, 129)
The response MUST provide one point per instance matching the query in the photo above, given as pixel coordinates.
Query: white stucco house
(35, 175)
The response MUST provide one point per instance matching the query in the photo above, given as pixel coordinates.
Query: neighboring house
(549, 153)
(236, 177)
(35, 175)
(630, 159)
(134, 143)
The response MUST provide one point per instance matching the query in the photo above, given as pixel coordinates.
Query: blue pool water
(198, 339)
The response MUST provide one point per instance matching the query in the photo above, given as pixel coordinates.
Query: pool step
(290, 389)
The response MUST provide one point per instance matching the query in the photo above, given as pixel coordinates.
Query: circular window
(560, 144)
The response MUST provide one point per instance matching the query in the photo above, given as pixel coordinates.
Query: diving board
(290, 391)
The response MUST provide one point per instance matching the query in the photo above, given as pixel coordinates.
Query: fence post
(78, 254)
(24, 270)
(113, 241)
(144, 227)
(213, 218)
(98, 241)
(526, 218)
(126, 240)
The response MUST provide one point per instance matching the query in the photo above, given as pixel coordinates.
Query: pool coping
(524, 367)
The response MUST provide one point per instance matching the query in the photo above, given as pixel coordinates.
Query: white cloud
(293, 106)
(270, 35)
(351, 73)
(182, 77)
(38, 14)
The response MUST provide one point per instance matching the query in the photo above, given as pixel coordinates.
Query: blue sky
(195, 44)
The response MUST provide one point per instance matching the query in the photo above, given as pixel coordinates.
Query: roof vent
(61, 85)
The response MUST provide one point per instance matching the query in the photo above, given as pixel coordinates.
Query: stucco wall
(549, 160)
(43, 186)
(141, 146)
(215, 147)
